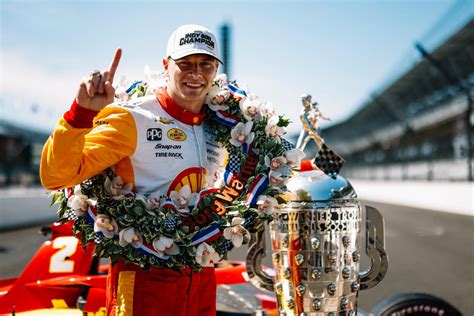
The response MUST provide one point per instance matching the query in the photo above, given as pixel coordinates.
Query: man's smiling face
(190, 78)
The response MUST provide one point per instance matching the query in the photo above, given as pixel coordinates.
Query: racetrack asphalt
(430, 252)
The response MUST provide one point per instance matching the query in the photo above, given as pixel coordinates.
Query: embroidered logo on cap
(196, 37)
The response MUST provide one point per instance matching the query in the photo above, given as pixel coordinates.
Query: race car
(63, 278)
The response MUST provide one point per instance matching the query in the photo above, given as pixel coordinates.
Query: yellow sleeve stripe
(72, 155)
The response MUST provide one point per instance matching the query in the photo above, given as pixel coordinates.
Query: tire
(414, 304)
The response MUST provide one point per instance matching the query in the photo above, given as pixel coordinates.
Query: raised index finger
(114, 64)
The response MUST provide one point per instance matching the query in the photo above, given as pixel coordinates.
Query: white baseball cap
(192, 39)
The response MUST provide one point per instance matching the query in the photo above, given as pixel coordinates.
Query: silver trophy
(316, 240)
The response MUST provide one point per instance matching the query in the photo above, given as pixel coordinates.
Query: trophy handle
(259, 278)
(375, 249)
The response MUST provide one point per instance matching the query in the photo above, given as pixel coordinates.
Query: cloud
(37, 95)
(26, 85)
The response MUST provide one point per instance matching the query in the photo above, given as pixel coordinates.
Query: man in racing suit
(157, 143)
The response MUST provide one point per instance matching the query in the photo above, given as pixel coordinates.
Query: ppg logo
(153, 134)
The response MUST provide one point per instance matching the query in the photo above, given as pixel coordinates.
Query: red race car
(63, 278)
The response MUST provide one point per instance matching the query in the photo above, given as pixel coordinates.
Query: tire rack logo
(154, 134)
(176, 134)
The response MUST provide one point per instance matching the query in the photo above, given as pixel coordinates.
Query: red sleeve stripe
(80, 117)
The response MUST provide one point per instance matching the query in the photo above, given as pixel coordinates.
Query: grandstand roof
(420, 90)
(8, 129)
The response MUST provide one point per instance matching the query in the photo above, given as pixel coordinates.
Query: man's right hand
(96, 91)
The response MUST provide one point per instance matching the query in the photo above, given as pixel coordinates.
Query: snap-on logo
(176, 134)
(154, 134)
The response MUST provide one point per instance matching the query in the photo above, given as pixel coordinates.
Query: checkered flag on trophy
(329, 161)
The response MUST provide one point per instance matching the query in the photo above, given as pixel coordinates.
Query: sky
(340, 52)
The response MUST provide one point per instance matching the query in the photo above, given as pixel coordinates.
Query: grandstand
(418, 125)
(21, 148)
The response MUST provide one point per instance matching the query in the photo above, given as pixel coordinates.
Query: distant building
(21, 153)
(420, 125)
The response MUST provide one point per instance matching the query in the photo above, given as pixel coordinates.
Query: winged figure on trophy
(316, 236)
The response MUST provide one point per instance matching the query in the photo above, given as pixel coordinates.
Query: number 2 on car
(60, 262)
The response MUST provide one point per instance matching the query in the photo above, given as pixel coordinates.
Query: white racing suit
(156, 145)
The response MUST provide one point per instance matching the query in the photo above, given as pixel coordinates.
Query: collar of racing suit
(173, 109)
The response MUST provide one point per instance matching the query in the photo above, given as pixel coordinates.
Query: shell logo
(176, 134)
(194, 177)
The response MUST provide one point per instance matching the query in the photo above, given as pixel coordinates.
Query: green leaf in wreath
(114, 258)
(280, 200)
(250, 180)
(191, 250)
(268, 146)
(57, 197)
(207, 201)
(139, 210)
(283, 122)
(62, 210)
(129, 218)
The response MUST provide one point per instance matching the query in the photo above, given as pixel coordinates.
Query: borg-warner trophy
(316, 238)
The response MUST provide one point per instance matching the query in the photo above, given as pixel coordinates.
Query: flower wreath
(157, 230)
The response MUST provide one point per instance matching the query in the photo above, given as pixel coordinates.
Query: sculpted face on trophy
(316, 237)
